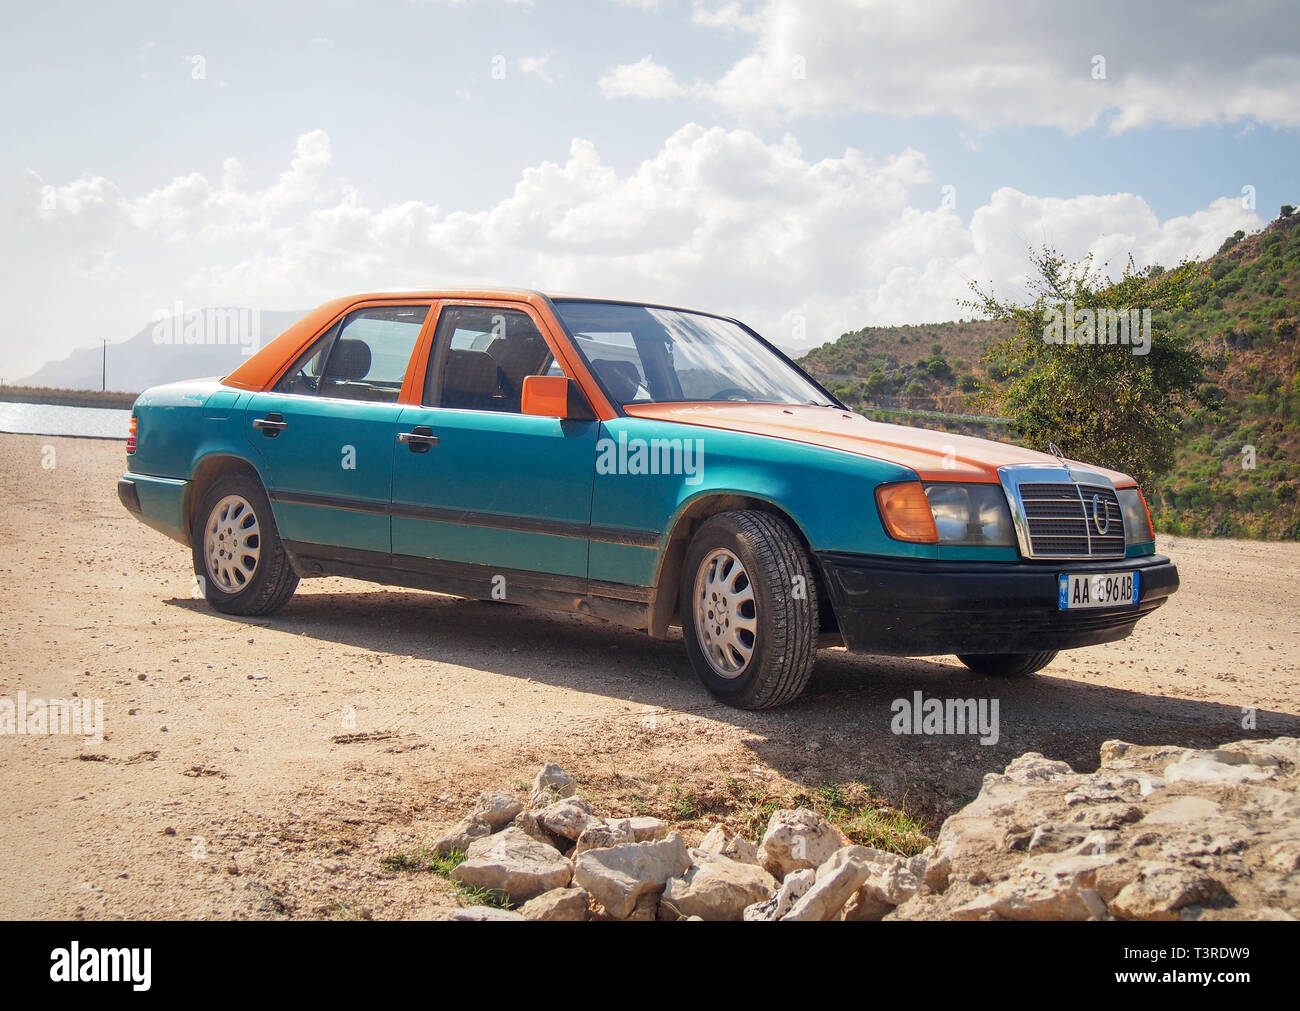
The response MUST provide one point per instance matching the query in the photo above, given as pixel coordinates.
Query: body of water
(55, 419)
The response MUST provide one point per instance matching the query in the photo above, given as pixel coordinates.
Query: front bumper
(921, 608)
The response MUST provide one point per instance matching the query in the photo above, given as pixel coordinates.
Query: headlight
(1137, 517)
(971, 514)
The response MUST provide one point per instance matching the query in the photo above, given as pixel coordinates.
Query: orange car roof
(261, 369)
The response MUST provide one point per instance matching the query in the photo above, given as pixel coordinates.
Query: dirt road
(252, 768)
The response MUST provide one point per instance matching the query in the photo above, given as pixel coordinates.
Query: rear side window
(363, 358)
(486, 353)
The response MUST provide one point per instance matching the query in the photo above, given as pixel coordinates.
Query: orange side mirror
(554, 397)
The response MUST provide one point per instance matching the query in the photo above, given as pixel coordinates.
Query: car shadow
(841, 729)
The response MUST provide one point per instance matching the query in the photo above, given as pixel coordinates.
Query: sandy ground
(253, 768)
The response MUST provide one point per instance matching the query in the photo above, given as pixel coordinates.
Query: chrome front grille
(1064, 512)
(1072, 520)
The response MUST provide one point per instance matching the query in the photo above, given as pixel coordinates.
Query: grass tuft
(852, 806)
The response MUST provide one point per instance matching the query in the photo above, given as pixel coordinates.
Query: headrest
(621, 379)
(350, 360)
(471, 372)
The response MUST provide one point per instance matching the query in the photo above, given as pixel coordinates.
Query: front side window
(486, 353)
(645, 354)
(303, 377)
(365, 357)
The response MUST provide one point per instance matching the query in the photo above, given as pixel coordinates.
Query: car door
(326, 433)
(482, 492)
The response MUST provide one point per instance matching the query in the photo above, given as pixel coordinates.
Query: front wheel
(1007, 665)
(237, 553)
(749, 609)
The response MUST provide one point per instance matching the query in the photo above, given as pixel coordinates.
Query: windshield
(643, 354)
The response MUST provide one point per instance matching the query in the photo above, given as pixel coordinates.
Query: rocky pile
(555, 859)
(1156, 833)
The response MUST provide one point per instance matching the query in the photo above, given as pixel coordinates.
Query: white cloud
(732, 14)
(1178, 62)
(537, 66)
(643, 79)
(717, 218)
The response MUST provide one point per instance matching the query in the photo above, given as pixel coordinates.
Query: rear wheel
(1007, 665)
(237, 551)
(749, 609)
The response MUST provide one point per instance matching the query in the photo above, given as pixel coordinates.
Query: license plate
(1076, 592)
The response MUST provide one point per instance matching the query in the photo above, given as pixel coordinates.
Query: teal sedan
(652, 466)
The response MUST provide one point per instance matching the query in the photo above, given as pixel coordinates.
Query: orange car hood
(934, 456)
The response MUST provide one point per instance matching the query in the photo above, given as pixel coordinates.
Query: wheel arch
(207, 470)
(665, 607)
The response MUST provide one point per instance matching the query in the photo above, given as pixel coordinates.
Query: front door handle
(272, 425)
(418, 439)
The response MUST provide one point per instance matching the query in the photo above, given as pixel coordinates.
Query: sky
(810, 166)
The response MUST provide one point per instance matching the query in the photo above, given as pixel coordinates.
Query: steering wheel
(726, 391)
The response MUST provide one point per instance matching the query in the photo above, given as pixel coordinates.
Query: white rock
(724, 842)
(559, 904)
(551, 784)
(797, 839)
(1161, 890)
(876, 881)
(1032, 767)
(482, 914)
(620, 875)
(528, 824)
(793, 888)
(496, 808)
(602, 836)
(1200, 767)
(843, 873)
(1049, 887)
(514, 863)
(716, 888)
(614, 831)
(645, 829)
(568, 818)
(462, 835)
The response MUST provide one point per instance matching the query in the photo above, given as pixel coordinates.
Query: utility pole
(103, 380)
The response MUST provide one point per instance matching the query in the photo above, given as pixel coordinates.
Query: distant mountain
(207, 342)
(791, 351)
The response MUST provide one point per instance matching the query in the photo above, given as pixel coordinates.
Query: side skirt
(621, 603)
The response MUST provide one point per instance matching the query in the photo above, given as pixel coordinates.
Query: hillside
(1238, 470)
(203, 343)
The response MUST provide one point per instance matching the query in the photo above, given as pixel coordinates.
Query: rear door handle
(272, 425)
(418, 439)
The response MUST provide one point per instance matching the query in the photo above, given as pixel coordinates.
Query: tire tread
(277, 579)
(792, 625)
(1008, 665)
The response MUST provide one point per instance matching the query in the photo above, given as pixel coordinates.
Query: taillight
(130, 436)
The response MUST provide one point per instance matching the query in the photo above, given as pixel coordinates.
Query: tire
(1007, 665)
(756, 649)
(255, 577)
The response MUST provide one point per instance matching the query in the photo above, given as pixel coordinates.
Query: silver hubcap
(232, 543)
(726, 619)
